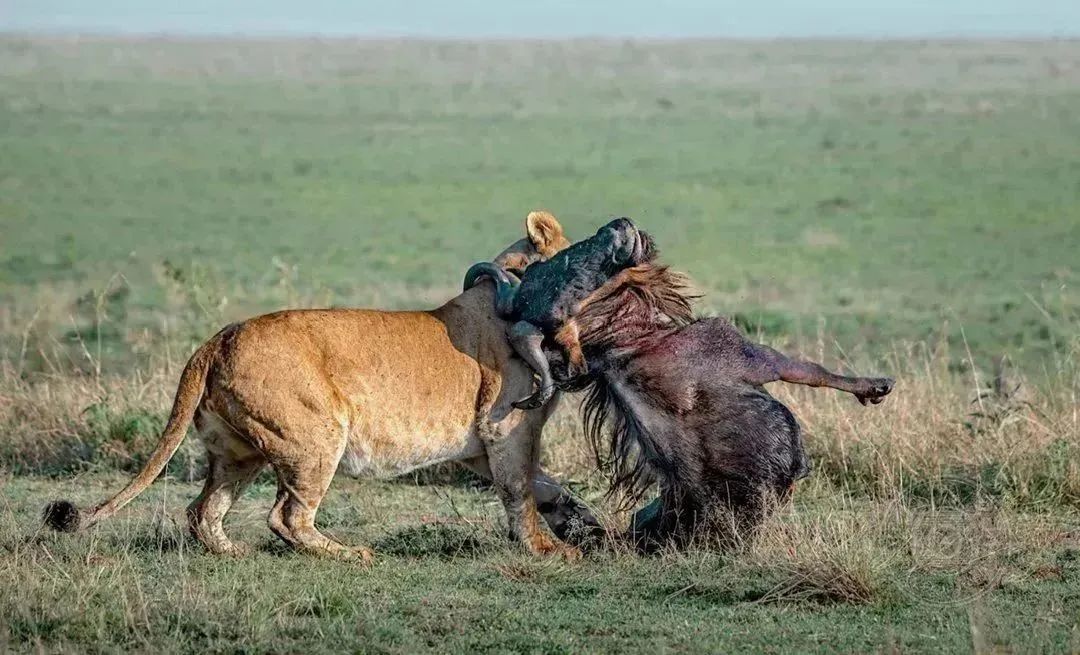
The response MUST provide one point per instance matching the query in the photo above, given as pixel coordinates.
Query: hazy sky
(546, 18)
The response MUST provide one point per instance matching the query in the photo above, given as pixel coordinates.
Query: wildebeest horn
(505, 285)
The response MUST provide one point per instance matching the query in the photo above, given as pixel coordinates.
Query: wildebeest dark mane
(629, 473)
(653, 302)
(652, 296)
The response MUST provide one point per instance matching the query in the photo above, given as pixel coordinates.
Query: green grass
(892, 191)
(911, 207)
(446, 581)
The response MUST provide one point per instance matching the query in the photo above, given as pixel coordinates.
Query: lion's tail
(64, 516)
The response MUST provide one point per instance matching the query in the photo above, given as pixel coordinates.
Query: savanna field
(902, 208)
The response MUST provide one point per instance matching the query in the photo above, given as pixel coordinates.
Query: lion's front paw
(363, 555)
(545, 546)
(569, 553)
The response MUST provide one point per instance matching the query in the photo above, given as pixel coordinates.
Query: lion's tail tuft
(62, 516)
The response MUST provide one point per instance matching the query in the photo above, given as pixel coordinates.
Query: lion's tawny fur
(378, 392)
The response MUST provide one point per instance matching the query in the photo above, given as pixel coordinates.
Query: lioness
(376, 391)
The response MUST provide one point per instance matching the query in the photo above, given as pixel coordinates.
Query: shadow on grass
(447, 474)
(712, 594)
(443, 541)
(167, 539)
(275, 547)
(440, 541)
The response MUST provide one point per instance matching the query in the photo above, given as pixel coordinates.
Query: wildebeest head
(629, 245)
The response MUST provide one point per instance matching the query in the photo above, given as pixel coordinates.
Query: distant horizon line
(296, 35)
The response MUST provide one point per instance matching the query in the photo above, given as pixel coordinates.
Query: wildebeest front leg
(527, 340)
(569, 518)
(768, 365)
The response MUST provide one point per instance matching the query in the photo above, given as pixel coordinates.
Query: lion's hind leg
(301, 489)
(303, 440)
(303, 480)
(232, 465)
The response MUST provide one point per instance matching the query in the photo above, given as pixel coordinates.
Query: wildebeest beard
(657, 411)
(613, 330)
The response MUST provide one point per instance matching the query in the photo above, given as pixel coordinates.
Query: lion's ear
(545, 233)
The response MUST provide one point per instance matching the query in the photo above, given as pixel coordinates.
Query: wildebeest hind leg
(768, 365)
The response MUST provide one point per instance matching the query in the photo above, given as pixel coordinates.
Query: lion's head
(544, 238)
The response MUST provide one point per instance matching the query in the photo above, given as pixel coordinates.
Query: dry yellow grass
(943, 437)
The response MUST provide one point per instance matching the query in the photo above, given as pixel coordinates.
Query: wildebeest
(680, 401)
(552, 292)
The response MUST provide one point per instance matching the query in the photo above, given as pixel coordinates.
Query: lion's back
(358, 351)
(406, 384)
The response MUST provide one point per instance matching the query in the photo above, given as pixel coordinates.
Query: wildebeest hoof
(535, 401)
(875, 390)
(573, 523)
